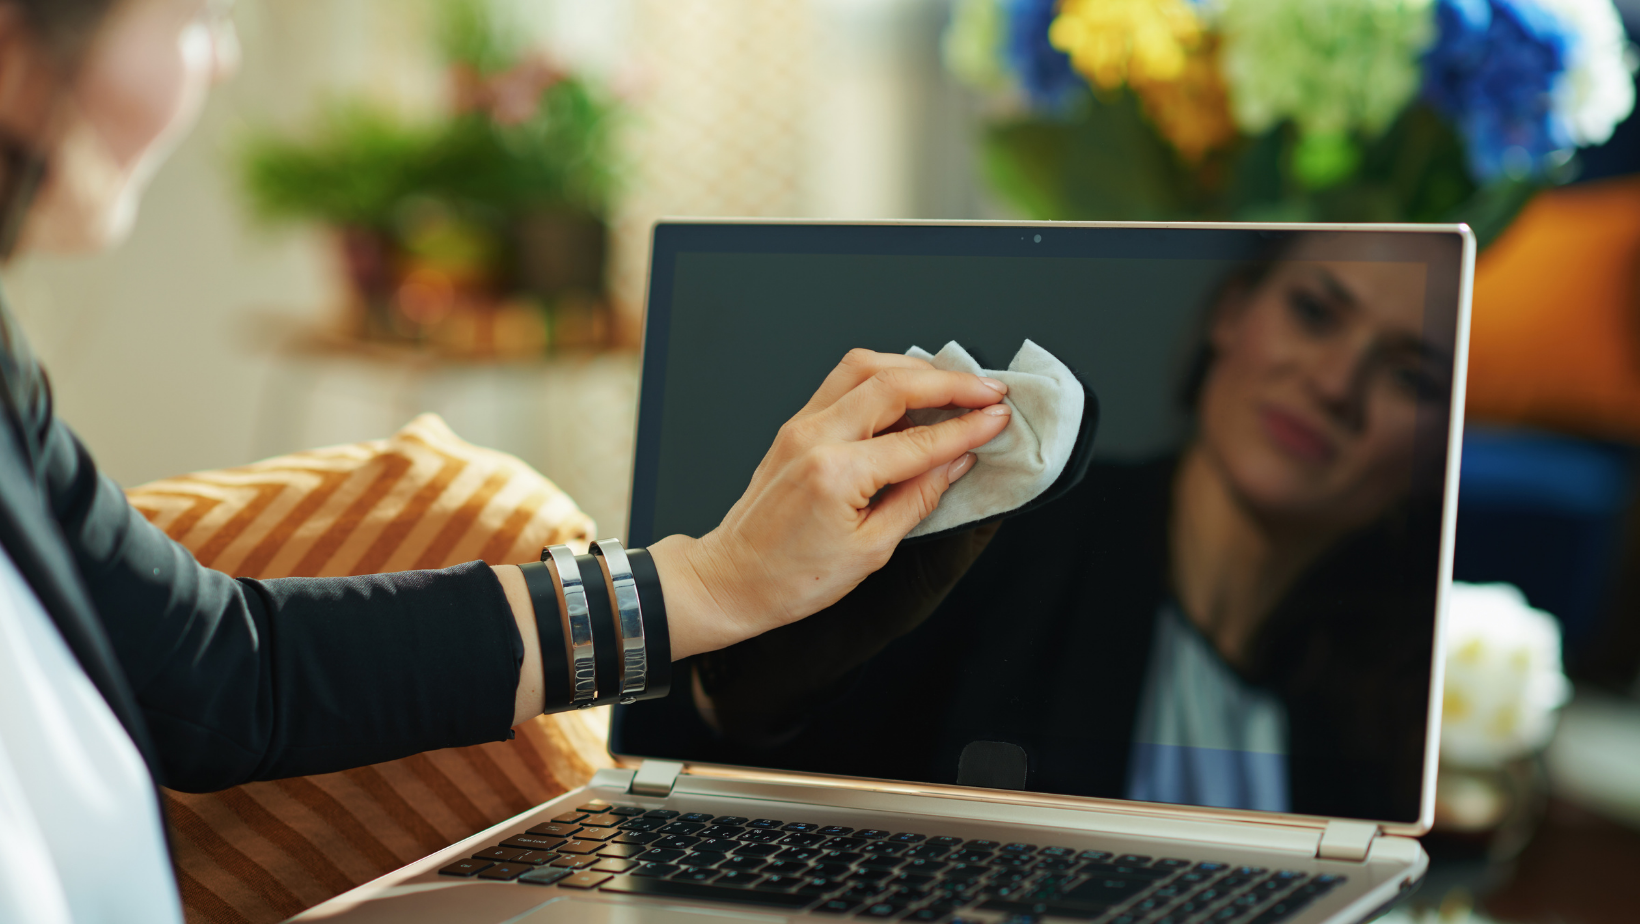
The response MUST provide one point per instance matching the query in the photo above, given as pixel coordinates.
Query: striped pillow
(422, 498)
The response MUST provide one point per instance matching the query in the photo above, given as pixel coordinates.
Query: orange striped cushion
(422, 498)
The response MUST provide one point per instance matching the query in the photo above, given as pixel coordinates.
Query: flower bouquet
(1289, 110)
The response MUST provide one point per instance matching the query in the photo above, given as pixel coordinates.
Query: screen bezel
(672, 237)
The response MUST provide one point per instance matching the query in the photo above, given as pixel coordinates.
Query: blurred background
(403, 206)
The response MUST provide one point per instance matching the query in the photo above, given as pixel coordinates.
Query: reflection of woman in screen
(1244, 624)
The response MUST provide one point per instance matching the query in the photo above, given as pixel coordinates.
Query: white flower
(1596, 91)
(1503, 676)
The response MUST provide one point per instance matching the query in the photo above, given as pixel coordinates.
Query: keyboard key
(579, 847)
(642, 826)
(907, 838)
(779, 883)
(682, 827)
(1281, 910)
(715, 830)
(785, 868)
(620, 851)
(835, 830)
(1132, 859)
(1172, 864)
(664, 855)
(1125, 872)
(757, 850)
(584, 880)
(1034, 910)
(731, 820)
(595, 807)
(1013, 861)
(1057, 852)
(801, 827)
(769, 823)
(881, 910)
(499, 854)
(1330, 880)
(883, 848)
(744, 864)
(761, 835)
(546, 876)
(505, 871)
(695, 817)
(1250, 871)
(1289, 875)
(1017, 848)
(871, 834)
(945, 841)
(802, 839)
(820, 885)
(465, 868)
(844, 843)
(1106, 892)
(657, 870)
(569, 818)
(881, 863)
(660, 813)
(738, 879)
(972, 856)
(574, 862)
(673, 888)
(836, 906)
(1212, 867)
(928, 851)
(677, 841)
(554, 830)
(599, 834)
(695, 874)
(714, 845)
(1098, 856)
(867, 874)
(532, 842)
(801, 854)
(834, 870)
(1055, 864)
(920, 865)
(611, 865)
(626, 811)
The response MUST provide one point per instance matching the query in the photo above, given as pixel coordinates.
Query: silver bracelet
(629, 617)
(583, 667)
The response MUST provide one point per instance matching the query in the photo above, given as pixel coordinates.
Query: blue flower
(1493, 70)
(1044, 72)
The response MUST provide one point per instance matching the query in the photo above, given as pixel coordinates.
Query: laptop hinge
(656, 778)
(1346, 840)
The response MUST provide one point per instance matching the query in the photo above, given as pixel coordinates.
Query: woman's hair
(64, 28)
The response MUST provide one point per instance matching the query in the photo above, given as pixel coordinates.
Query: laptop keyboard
(799, 866)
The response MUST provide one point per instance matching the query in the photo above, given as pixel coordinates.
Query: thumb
(902, 506)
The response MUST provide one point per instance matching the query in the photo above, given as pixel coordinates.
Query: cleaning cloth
(1045, 446)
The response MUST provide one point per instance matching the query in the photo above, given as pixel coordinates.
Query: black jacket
(1044, 644)
(221, 681)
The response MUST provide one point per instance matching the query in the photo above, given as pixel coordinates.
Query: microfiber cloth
(1043, 453)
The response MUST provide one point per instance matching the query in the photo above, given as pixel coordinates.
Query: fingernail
(997, 410)
(999, 387)
(960, 467)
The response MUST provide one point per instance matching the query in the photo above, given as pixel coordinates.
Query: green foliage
(359, 164)
(1104, 162)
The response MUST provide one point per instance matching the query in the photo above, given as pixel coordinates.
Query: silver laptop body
(741, 842)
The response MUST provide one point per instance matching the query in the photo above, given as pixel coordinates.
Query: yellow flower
(1112, 42)
(1192, 111)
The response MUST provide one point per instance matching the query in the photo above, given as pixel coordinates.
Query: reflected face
(1321, 379)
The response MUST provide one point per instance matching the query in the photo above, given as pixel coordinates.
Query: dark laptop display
(1235, 607)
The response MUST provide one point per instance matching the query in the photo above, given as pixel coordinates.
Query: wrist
(700, 611)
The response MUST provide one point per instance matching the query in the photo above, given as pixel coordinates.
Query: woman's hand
(844, 482)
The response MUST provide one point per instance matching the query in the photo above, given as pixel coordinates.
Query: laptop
(1198, 684)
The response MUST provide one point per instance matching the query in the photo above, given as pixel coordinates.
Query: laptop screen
(1234, 607)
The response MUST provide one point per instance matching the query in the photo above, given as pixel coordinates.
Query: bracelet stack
(602, 624)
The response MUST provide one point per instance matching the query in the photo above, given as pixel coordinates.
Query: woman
(1245, 623)
(123, 664)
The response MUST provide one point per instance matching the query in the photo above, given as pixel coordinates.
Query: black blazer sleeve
(239, 680)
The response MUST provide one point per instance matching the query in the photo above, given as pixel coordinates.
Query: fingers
(900, 457)
(904, 505)
(885, 397)
(858, 366)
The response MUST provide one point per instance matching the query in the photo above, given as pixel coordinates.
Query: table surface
(1578, 868)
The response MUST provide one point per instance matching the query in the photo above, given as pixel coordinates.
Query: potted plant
(480, 232)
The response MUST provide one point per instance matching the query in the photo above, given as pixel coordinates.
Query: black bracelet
(558, 691)
(657, 636)
(606, 641)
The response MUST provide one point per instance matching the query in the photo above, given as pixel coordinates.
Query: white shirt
(1204, 736)
(81, 840)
